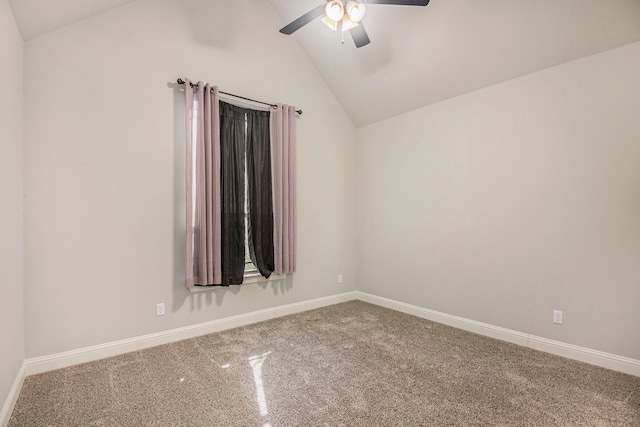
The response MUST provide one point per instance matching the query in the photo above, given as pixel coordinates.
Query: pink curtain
(203, 248)
(283, 169)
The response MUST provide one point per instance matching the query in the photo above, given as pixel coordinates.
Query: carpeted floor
(351, 364)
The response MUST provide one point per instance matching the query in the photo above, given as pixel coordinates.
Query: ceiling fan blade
(359, 35)
(303, 20)
(400, 2)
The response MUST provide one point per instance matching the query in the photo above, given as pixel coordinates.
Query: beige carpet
(351, 364)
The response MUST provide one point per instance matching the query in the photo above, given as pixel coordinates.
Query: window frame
(251, 275)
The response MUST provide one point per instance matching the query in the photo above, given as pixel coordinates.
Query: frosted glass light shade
(355, 11)
(334, 10)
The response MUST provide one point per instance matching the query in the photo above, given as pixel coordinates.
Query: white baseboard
(12, 398)
(88, 354)
(40, 364)
(587, 355)
(448, 319)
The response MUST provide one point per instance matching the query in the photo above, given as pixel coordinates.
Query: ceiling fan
(340, 17)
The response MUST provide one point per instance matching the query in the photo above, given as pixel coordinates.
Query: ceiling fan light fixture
(337, 16)
(355, 11)
(348, 24)
(331, 24)
(334, 10)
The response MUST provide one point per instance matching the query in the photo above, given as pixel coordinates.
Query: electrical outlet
(340, 278)
(557, 317)
(160, 309)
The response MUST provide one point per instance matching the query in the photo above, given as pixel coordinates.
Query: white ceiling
(36, 17)
(420, 55)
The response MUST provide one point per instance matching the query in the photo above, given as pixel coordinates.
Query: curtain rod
(181, 82)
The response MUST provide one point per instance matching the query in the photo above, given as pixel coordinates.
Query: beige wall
(507, 203)
(498, 206)
(11, 190)
(104, 168)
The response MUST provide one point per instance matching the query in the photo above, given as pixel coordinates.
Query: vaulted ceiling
(420, 55)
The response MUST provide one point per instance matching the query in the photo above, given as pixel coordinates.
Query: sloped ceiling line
(418, 56)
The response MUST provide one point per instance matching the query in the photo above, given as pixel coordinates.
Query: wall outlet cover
(557, 317)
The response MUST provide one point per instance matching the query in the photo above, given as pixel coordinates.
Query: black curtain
(260, 198)
(232, 156)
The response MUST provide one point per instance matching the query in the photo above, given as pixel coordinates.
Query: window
(240, 177)
(249, 268)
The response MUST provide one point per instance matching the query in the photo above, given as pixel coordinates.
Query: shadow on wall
(212, 28)
(179, 211)
(280, 286)
(180, 293)
(202, 299)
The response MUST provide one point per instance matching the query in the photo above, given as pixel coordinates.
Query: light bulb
(355, 11)
(334, 10)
